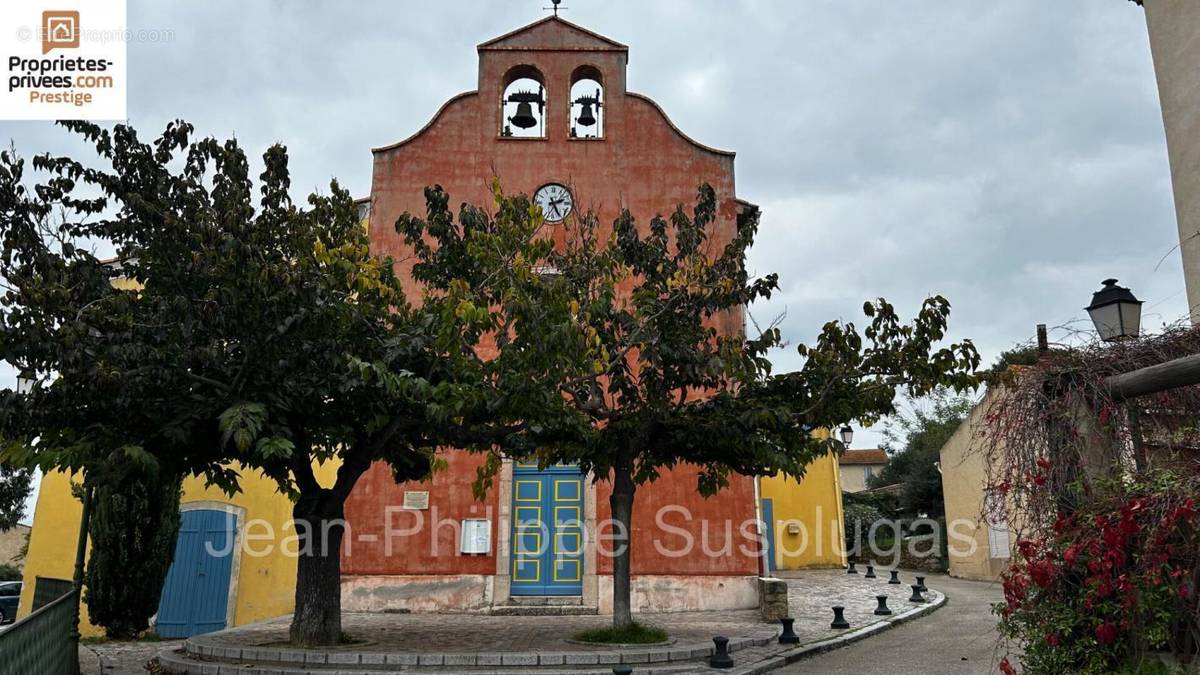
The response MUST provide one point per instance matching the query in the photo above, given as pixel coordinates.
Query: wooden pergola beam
(1181, 372)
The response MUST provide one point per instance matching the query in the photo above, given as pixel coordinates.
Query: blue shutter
(195, 597)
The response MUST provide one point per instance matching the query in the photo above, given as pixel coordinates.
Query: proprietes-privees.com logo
(63, 63)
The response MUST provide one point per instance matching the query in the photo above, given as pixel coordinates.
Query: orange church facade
(527, 124)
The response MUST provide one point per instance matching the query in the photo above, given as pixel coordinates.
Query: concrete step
(543, 610)
(202, 656)
(543, 600)
(179, 663)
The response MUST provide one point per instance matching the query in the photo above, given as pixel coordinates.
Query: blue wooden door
(547, 550)
(195, 596)
(768, 511)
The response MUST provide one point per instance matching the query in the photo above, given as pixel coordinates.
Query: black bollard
(895, 577)
(721, 659)
(839, 618)
(852, 569)
(622, 670)
(870, 571)
(921, 583)
(788, 636)
(882, 609)
(916, 596)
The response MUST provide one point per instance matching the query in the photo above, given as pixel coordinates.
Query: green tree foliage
(15, 486)
(631, 322)
(134, 522)
(260, 335)
(1026, 355)
(858, 517)
(914, 445)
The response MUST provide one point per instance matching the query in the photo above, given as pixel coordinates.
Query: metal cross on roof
(555, 7)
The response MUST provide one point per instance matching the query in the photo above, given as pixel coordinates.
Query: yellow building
(261, 577)
(977, 549)
(804, 518)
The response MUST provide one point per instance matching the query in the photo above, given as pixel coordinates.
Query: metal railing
(48, 589)
(42, 642)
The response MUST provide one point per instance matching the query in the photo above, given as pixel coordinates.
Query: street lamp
(1116, 313)
(847, 435)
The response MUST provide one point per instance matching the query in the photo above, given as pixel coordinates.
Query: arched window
(523, 104)
(587, 103)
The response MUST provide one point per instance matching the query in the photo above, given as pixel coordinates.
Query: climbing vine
(1102, 496)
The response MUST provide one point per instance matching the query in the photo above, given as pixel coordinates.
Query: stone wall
(12, 542)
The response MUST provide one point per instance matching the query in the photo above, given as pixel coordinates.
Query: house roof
(863, 456)
(540, 30)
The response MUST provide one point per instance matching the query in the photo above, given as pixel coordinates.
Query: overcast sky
(1008, 155)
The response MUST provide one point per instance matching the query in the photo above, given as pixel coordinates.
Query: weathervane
(555, 7)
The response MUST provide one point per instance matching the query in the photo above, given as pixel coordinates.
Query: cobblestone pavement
(958, 639)
(810, 595)
(120, 658)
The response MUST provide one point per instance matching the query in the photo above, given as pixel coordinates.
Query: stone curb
(173, 662)
(849, 637)
(288, 660)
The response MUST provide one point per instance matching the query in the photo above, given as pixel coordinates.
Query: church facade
(552, 118)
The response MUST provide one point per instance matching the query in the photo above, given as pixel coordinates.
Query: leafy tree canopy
(235, 332)
(15, 487)
(644, 325)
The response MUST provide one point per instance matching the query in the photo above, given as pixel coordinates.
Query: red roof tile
(864, 456)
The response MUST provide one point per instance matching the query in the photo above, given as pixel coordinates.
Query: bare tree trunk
(621, 502)
(320, 522)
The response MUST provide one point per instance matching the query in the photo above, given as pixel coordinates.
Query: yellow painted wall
(265, 576)
(52, 542)
(815, 504)
(964, 478)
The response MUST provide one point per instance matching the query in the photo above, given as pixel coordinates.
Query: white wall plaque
(476, 536)
(417, 501)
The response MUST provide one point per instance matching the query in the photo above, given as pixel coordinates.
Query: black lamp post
(847, 435)
(1116, 312)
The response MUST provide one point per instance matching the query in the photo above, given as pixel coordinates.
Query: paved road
(958, 639)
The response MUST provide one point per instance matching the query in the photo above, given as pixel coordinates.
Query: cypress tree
(134, 523)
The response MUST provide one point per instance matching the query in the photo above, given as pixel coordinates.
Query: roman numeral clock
(555, 200)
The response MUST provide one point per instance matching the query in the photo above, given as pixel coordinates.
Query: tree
(264, 337)
(133, 525)
(656, 381)
(15, 486)
(914, 446)
(1026, 355)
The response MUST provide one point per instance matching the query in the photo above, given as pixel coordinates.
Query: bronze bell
(524, 117)
(586, 118)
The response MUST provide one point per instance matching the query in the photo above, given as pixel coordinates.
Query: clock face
(555, 200)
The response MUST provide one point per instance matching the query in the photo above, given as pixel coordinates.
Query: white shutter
(998, 544)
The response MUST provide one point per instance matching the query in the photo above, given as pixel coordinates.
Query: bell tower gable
(556, 49)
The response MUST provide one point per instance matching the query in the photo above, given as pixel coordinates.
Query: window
(587, 103)
(523, 104)
(999, 545)
(868, 473)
